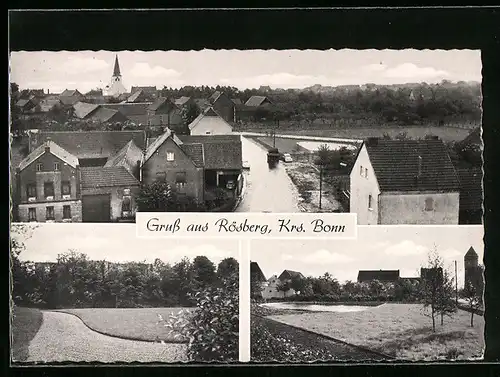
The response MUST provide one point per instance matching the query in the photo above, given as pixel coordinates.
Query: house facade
(404, 182)
(167, 160)
(272, 288)
(209, 123)
(163, 112)
(48, 186)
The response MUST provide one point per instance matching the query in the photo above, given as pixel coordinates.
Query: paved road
(268, 190)
(64, 337)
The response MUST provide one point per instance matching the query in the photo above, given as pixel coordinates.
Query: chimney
(372, 141)
(47, 145)
(419, 173)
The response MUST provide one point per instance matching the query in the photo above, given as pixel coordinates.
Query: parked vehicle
(287, 157)
(273, 157)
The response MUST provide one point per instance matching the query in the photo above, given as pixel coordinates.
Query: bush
(212, 329)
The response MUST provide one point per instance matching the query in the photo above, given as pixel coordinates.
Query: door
(96, 208)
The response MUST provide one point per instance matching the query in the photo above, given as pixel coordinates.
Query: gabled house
(139, 96)
(256, 273)
(163, 112)
(209, 123)
(48, 185)
(384, 276)
(223, 106)
(169, 160)
(184, 101)
(273, 288)
(471, 196)
(83, 110)
(27, 106)
(70, 97)
(404, 182)
(95, 96)
(92, 148)
(50, 104)
(222, 161)
(256, 101)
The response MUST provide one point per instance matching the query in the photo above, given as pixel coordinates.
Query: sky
(118, 243)
(86, 70)
(403, 248)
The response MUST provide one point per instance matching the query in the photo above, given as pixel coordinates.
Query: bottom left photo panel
(97, 293)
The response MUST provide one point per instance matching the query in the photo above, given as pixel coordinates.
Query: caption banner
(246, 225)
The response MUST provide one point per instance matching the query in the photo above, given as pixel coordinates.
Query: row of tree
(74, 281)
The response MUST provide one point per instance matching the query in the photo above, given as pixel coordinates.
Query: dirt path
(64, 337)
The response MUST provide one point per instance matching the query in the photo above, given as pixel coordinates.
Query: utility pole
(320, 184)
(456, 284)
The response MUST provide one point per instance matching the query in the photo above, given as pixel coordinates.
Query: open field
(401, 330)
(414, 132)
(25, 324)
(134, 324)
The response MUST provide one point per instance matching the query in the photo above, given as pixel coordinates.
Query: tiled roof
(474, 138)
(104, 114)
(158, 103)
(220, 151)
(202, 103)
(135, 96)
(69, 100)
(215, 96)
(471, 191)
(255, 101)
(82, 109)
(236, 101)
(23, 102)
(55, 149)
(195, 152)
(157, 143)
(94, 92)
(70, 93)
(289, 274)
(182, 100)
(96, 177)
(93, 144)
(127, 157)
(396, 164)
(129, 109)
(381, 275)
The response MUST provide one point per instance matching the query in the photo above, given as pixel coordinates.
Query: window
(366, 173)
(49, 213)
(66, 212)
(361, 171)
(208, 133)
(31, 190)
(39, 167)
(161, 176)
(149, 122)
(48, 189)
(370, 200)
(31, 214)
(57, 166)
(429, 204)
(161, 119)
(170, 156)
(180, 177)
(66, 188)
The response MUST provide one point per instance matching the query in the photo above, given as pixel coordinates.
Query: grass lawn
(400, 330)
(25, 324)
(135, 324)
(414, 132)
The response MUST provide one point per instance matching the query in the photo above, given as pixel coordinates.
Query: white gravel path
(64, 337)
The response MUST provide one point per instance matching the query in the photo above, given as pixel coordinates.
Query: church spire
(116, 70)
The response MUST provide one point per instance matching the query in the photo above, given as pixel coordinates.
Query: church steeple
(116, 70)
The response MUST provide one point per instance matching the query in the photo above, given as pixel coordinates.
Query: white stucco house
(404, 182)
(270, 288)
(209, 123)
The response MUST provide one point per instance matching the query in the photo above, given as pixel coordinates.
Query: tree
(283, 286)
(432, 286)
(473, 298)
(156, 197)
(16, 125)
(227, 267)
(19, 234)
(298, 284)
(446, 304)
(203, 271)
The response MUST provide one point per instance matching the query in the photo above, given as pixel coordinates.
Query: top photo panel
(392, 135)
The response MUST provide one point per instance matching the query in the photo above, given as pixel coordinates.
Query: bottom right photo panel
(396, 293)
